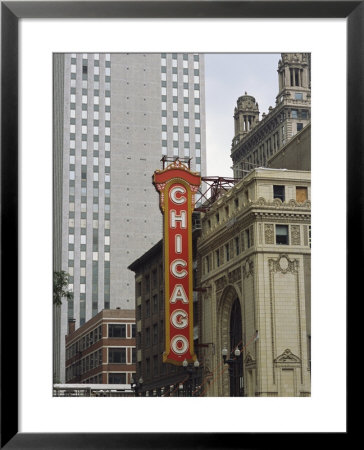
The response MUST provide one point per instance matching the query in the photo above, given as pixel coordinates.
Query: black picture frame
(11, 12)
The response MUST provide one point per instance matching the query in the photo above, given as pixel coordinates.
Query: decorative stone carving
(221, 283)
(248, 268)
(287, 357)
(283, 264)
(261, 201)
(295, 235)
(269, 233)
(249, 361)
(234, 275)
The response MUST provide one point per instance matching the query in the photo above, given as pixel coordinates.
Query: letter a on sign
(177, 187)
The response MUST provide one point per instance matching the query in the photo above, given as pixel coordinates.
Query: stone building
(255, 141)
(254, 255)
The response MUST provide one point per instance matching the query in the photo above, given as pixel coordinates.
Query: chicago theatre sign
(177, 187)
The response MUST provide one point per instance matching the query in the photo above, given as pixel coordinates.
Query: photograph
(182, 224)
(156, 175)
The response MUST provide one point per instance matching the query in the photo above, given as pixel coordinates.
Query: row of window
(241, 243)
(120, 330)
(279, 191)
(114, 331)
(233, 248)
(85, 342)
(299, 114)
(117, 355)
(87, 363)
(95, 256)
(152, 335)
(154, 367)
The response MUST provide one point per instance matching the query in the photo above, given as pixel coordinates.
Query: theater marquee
(177, 186)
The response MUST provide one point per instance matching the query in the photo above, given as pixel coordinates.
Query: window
(299, 126)
(217, 256)
(301, 194)
(154, 279)
(117, 355)
(147, 336)
(133, 330)
(278, 192)
(117, 330)
(294, 114)
(147, 308)
(155, 365)
(227, 252)
(117, 378)
(247, 238)
(298, 96)
(237, 246)
(309, 235)
(155, 333)
(208, 263)
(155, 303)
(282, 234)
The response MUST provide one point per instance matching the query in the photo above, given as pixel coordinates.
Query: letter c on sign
(174, 264)
(177, 200)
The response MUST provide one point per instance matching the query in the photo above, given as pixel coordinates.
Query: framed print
(31, 34)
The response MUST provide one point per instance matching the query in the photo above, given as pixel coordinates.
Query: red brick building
(102, 351)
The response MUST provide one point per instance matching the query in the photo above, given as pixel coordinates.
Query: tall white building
(115, 116)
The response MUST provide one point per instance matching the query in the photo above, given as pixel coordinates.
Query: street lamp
(136, 386)
(190, 369)
(233, 362)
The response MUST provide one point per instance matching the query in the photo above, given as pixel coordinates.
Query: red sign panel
(177, 186)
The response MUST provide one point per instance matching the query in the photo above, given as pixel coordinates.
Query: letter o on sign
(179, 345)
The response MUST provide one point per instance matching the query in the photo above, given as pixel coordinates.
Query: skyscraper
(115, 116)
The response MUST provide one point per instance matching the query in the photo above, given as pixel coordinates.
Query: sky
(227, 77)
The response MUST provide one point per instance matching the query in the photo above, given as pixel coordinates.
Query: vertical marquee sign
(177, 186)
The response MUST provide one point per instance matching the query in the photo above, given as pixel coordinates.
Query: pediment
(287, 357)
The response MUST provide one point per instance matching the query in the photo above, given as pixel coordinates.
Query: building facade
(116, 116)
(160, 378)
(254, 253)
(255, 140)
(102, 351)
